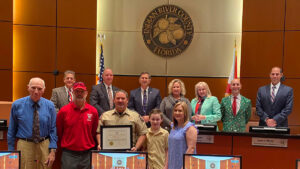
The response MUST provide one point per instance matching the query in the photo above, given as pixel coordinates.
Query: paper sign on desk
(205, 139)
(269, 142)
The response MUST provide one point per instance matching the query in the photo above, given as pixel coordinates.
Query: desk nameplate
(269, 142)
(205, 139)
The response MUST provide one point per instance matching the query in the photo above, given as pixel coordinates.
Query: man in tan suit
(61, 96)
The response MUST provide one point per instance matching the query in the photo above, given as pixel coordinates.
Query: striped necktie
(273, 94)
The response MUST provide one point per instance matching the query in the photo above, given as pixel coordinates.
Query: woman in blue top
(183, 136)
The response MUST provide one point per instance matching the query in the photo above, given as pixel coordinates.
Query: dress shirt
(67, 91)
(21, 119)
(112, 92)
(142, 94)
(238, 102)
(276, 90)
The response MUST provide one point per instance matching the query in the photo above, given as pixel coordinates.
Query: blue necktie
(145, 102)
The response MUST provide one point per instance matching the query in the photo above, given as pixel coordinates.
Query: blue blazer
(136, 103)
(279, 109)
(210, 108)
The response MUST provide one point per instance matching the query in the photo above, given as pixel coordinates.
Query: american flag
(100, 80)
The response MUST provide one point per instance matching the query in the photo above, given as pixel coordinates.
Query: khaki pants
(33, 156)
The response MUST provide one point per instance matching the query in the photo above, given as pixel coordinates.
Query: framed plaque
(117, 137)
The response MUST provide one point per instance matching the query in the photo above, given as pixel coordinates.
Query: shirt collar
(124, 113)
(145, 89)
(106, 86)
(67, 89)
(151, 132)
(39, 102)
(277, 85)
(238, 97)
(77, 108)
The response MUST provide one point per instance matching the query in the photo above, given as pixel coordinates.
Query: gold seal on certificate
(117, 137)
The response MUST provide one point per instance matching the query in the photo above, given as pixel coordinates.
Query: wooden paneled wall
(271, 37)
(6, 49)
(53, 35)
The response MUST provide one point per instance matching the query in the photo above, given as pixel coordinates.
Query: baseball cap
(79, 85)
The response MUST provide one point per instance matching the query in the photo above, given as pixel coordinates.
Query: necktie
(110, 98)
(198, 107)
(36, 124)
(234, 106)
(273, 94)
(145, 102)
(69, 95)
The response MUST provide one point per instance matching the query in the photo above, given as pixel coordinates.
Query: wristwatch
(53, 150)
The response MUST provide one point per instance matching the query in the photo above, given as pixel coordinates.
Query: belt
(41, 139)
(77, 152)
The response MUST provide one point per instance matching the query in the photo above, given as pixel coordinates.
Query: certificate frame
(116, 137)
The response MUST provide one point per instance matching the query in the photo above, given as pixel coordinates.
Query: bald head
(36, 88)
(275, 75)
(235, 86)
(108, 76)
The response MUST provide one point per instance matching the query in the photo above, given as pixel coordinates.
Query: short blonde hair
(202, 84)
(185, 112)
(182, 87)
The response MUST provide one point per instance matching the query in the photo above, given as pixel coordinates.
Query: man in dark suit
(61, 96)
(144, 98)
(274, 101)
(102, 94)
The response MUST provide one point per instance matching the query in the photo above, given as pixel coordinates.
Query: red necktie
(198, 106)
(234, 106)
(70, 95)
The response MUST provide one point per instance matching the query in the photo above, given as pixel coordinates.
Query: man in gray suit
(274, 101)
(144, 98)
(61, 96)
(101, 96)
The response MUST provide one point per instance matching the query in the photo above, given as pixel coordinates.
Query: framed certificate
(117, 137)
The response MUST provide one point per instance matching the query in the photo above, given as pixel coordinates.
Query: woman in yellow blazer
(205, 107)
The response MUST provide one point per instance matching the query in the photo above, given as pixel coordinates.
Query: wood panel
(6, 43)
(266, 157)
(260, 52)
(291, 54)
(292, 15)
(222, 145)
(5, 110)
(6, 10)
(35, 12)
(77, 13)
(76, 50)
(21, 80)
(34, 48)
(263, 15)
(6, 85)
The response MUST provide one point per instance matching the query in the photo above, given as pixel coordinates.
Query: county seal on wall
(168, 30)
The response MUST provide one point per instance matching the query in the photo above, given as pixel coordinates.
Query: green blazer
(235, 123)
(210, 108)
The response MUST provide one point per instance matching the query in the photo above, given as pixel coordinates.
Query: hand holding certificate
(116, 137)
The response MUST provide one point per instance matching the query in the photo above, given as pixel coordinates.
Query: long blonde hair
(202, 84)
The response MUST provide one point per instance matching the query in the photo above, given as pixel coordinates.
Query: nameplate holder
(269, 142)
(1, 135)
(208, 139)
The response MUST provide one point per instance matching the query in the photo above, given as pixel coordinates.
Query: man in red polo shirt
(76, 125)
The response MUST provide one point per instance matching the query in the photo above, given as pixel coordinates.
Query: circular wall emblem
(168, 30)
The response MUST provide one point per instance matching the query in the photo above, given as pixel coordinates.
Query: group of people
(164, 128)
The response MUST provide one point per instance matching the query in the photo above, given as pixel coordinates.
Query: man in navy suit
(144, 98)
(101, 96)
(274, 101)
